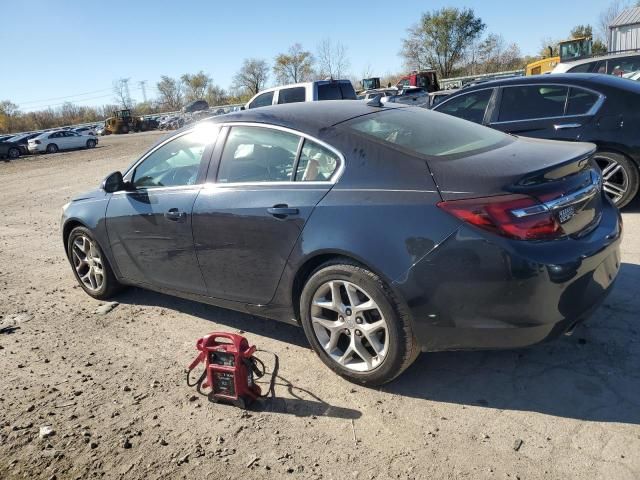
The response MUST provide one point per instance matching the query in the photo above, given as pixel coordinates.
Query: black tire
(124, 129)
(110, 285)
(403, 348)
(52, 148)
(630, 170)
(13, 153)
(91, 143)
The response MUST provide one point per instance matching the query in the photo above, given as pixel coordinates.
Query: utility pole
(125, 83)
(144, 91)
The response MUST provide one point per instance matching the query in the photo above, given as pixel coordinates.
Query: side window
(469, 107)
(257, 154)
(532, 102)
(584, 68)
(329, 91)
(317, 164)
(291, 95)
(176, 162)
(262, 100)
(623, 67)
(580, 101)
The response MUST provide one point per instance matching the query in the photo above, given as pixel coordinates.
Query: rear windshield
(428, 133)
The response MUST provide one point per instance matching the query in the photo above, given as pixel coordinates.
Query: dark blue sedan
(383, 230)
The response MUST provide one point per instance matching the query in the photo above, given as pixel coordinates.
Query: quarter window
(177, 162)
(532, 102)
(257, 154)
(469, 107)
(262, 100)
(316, 164)
(580, 101)
(291, 95)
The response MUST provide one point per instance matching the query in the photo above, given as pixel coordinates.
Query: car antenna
(376, 101)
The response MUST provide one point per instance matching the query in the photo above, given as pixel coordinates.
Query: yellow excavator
(569, 50)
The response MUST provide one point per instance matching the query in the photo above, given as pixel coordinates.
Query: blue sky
(76, 50)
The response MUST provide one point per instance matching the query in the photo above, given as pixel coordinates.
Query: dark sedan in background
(9, 149)
(384, 230)
(601, 109)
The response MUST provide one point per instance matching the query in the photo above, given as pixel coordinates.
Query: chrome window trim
(592, 111)
(335, 176)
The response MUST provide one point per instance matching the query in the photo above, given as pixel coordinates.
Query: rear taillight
(513, 216)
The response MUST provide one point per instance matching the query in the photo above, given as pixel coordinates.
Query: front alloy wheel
(87, 262)
(90, 267)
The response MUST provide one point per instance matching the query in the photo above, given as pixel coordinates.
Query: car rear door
(258, 197)
(582, 106)
(530, 110)
(149, 225)
(471, 106)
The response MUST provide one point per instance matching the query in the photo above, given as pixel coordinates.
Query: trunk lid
(562, 176)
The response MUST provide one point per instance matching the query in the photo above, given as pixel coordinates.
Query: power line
(45, 106)
(60, 98)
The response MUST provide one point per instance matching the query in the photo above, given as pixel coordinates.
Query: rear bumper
(479, 291)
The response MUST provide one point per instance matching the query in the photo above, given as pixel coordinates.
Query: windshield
(428, 133)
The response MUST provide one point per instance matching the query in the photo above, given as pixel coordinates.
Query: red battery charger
(229, 368)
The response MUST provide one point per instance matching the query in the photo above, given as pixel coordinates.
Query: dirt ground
(112, 386)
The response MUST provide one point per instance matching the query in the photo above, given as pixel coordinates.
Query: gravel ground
(111, 386)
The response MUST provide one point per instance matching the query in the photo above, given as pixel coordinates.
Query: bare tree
(332, 59)
(294, 66)
(215, 95)
(121, 92)
(252, 77)
(170, 91)
(607, 16)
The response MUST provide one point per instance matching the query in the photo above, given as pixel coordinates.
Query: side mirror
(113, 183)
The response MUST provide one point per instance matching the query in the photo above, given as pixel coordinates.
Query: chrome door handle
(175, 215)
(565, 126)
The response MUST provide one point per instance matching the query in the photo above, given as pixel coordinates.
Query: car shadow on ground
(234, 320)
(591, 375)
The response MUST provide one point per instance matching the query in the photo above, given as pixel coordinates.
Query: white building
(624, 31)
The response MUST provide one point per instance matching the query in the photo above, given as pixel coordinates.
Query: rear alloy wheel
(91, 268)
(52, 148)
(91, 143)
(354, 324)
(13, 153)
(619, 177)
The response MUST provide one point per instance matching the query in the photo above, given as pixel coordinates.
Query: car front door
(530, 110)
(149, 225)
(246, 224)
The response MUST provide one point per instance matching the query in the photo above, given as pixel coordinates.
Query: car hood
(98, 193)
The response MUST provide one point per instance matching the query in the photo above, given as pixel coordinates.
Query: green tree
(170, 93)
(440, 39)
(252, 76)
(294, 66)
(195, 86)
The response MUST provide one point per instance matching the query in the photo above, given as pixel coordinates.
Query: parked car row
(51, 141)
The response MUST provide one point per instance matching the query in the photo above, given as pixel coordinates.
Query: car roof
(609, 56)
(579, 79)
(307, 117)
(300, 84)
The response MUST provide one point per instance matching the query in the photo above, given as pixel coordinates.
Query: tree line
(452, 41)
